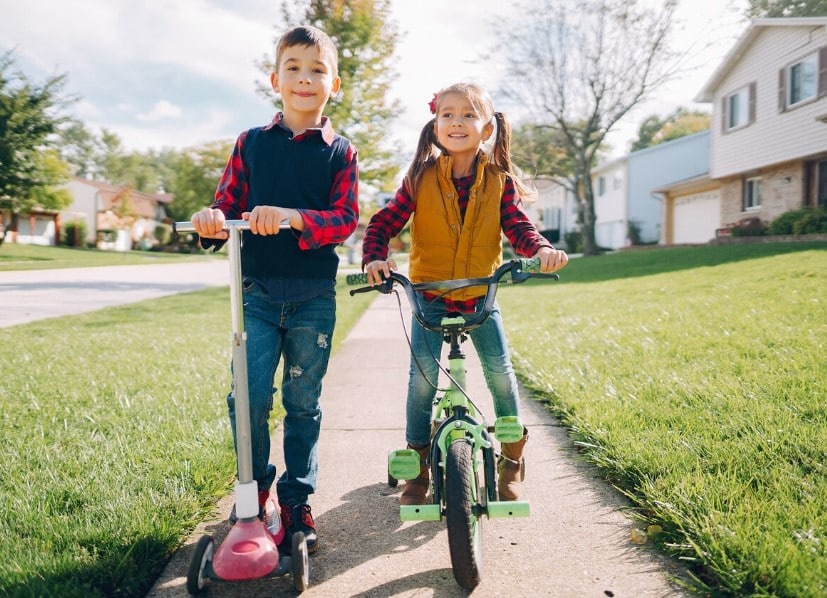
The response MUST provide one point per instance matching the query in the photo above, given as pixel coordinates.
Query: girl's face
(459, 127)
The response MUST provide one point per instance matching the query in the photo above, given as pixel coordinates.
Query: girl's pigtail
(426, 154)
(501, 156)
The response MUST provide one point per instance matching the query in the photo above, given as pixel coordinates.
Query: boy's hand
(551, 260)
(266, 220)
(209, 223)
(377, 268)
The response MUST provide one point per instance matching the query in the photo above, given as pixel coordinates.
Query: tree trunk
(589, 243)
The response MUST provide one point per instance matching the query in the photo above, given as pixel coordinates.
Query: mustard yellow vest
(443, 246)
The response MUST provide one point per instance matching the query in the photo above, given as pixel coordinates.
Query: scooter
(251, 548)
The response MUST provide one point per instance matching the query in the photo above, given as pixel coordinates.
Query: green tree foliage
(682, 122)
(29, 166)
(366, 39)
(786, 8)
(540, 151)
(191, 176)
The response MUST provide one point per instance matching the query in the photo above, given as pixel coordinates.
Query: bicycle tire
(464, 527)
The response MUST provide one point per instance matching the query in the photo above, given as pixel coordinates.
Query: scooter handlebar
(187, 226)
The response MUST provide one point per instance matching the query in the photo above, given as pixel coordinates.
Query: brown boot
(416, 489)
(511, 468)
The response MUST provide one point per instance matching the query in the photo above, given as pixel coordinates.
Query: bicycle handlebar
(520, 269)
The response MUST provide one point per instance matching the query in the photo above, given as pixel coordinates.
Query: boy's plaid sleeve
(335, 225)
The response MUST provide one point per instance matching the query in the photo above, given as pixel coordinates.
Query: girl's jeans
(492, 349)
(301, 333)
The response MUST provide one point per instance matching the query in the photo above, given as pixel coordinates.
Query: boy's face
(305, 79)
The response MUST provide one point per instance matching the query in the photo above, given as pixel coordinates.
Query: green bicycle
(461, 459)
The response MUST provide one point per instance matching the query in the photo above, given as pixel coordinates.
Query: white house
(611, 203)
(768, 150)
(554, 210)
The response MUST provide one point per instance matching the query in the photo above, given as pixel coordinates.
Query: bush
(804, 221)
(574, 241)
(749, 227)
(74, 233)
(163, 233)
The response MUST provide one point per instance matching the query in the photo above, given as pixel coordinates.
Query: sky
(179, 73)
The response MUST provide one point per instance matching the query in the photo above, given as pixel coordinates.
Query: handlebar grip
(530, 264)
(354, 279)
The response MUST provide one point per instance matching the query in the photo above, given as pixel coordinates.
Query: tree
(366, 38)
(29, 168)
(540, 151)
(682, 122)
(579, 67)
(786, 8)
(192, 176)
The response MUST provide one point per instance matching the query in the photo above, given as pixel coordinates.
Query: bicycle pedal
(508, 428)
(403, 464)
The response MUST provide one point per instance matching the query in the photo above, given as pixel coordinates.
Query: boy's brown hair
(307, 35)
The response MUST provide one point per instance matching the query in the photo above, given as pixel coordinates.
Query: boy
(295, 169)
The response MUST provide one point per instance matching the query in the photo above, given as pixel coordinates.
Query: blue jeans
(492, 349)
(301, 333)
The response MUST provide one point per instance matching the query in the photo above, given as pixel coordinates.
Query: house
(116, 217)
(554, 210)
(611, 203)
(629, 192)
(768, 149)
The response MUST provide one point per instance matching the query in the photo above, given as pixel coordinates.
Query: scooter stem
(241, 389)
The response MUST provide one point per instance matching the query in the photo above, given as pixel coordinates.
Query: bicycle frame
(454, 414)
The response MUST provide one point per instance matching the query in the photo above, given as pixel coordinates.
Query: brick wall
(782, 190)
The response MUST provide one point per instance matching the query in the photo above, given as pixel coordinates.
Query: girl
(461, 200)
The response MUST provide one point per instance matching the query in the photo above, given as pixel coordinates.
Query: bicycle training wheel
(464, 527)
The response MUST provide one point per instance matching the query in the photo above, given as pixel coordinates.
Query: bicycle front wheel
(464, 527)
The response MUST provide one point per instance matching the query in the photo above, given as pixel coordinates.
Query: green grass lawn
(14, 256)
(694, 378)
(115, 440)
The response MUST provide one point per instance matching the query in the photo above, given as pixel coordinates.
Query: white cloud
(162, 110)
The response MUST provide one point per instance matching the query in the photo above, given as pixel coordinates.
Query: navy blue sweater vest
(289, 174)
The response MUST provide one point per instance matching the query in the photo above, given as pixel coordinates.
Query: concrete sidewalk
(576, 542)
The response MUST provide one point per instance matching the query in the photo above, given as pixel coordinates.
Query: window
(737, 106)
(617, 182)
(601, 186)
(821, 184)
(802, 80)
(752, 193)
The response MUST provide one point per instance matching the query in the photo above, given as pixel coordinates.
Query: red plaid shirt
(515, 223)
(321, 227)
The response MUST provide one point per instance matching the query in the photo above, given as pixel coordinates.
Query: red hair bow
(432, 103)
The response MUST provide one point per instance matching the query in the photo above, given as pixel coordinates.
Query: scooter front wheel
(301, 565)
(201, 558)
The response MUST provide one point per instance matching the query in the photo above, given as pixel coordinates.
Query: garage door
(696, 217)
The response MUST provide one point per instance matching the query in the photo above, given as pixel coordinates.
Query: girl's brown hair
(428, 148)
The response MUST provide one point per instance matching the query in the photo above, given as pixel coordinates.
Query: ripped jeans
(300, 332)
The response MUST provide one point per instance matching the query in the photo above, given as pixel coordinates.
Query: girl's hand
(209, 224)
(266, 220)
(377, 268)
(551, 260)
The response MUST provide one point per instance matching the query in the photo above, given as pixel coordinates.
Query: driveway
(38, 294)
